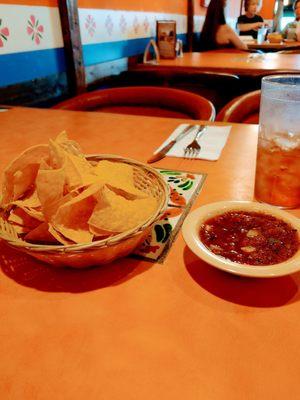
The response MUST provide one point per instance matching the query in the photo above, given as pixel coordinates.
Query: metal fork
(193, 149)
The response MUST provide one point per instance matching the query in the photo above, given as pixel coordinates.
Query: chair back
(242, 109)
(143, 100)
(217, 87)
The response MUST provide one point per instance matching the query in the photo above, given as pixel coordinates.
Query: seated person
(215, 32)
(249, 23)
(290, 31)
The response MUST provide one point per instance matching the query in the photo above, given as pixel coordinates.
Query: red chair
(243, 109)
(141, 100)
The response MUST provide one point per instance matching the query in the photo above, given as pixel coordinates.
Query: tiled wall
(31, 44)
(110, 36)
(113, 30)
(113, 26)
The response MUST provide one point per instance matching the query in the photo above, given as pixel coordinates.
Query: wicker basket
(275, 37)
(103, 251)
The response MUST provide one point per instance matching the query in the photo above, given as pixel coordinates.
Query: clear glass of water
(261, 35)
(277, 179)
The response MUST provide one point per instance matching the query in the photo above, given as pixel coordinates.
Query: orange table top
(138, 330)
(237, 62)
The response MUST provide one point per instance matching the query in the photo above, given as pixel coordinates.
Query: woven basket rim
(115, 239)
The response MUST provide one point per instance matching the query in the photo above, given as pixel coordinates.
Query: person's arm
(248, 27)
(235, 40)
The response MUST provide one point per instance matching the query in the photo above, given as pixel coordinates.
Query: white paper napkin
(212, 142)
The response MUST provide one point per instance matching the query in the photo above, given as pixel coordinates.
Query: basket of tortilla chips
(70, 210)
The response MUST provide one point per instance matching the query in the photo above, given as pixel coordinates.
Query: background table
(267, 46)
(236, 62)
(137, 330)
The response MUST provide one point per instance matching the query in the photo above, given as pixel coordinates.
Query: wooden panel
(190, 24)
(73, 48)
(38, 92)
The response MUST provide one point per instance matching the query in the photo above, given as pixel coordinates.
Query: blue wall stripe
(110, 51)
(25, 66)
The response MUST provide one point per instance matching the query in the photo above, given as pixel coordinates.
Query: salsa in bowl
(245, 238)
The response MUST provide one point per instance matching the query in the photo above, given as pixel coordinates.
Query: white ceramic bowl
(191, 228)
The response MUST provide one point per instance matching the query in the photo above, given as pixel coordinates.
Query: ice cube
(287, 140)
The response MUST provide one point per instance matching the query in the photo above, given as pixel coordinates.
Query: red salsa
(250, 237)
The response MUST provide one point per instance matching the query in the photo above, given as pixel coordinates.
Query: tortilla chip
(71, 218)
(50, 189)
(20, 217)
(119, 176)
(117, 214)
(69, 145)
(20, 174)
(23, 180)
(100, 234)
(59, 237)
(41, 234)
(76, 234)
(76, 166)
(30, 205)
(20, 230)
(32, 201)
(52, 194)
(33, 213)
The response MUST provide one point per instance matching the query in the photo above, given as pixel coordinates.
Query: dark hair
(295, 4)
(214, 18)
(246, 4)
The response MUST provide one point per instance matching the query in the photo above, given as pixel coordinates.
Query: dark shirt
(243, 19)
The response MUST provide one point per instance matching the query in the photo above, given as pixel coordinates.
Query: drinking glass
(261, 35)
(277, 178)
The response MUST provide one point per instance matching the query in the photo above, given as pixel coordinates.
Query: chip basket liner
(106, 250)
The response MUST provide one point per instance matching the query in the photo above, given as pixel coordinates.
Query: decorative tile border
(100, 26)
(29, 28)
(4, 33)
(185, 187)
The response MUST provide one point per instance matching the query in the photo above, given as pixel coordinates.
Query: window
(287, 13)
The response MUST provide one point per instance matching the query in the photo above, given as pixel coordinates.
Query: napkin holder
(179, 48)
(166, 38)
(147, 54)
